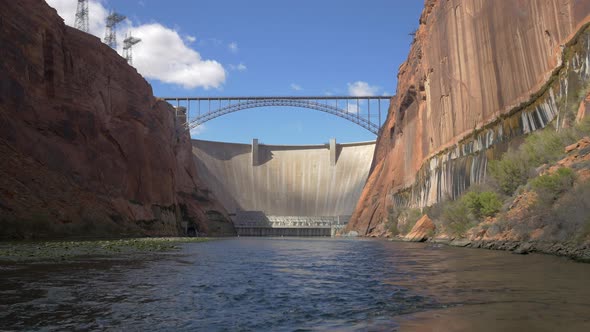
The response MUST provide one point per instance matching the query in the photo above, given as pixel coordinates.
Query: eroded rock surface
(471, 63)
(86, 147)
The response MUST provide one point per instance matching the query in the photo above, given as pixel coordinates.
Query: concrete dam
(279, 190)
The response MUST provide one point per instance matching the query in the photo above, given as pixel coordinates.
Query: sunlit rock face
(85, 146)
(479, 75)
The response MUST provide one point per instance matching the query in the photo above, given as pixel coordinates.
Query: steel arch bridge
(365, 111)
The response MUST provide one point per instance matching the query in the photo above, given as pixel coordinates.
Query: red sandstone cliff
(85, 147)
(471, 62)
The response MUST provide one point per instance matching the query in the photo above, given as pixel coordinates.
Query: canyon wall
(479, 75)
(86, 148)
(285, 180)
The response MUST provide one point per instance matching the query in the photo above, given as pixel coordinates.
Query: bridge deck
(364, 111)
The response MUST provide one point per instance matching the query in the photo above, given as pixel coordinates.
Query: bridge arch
(330, 105)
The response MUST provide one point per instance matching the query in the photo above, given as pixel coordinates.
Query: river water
(297, 284)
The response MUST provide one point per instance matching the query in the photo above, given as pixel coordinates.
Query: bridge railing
(366, 111)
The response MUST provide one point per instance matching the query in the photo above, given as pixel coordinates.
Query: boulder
(423, 229)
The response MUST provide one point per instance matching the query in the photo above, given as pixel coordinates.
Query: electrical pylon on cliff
(127, 48)
(110, 37)
(81, 22)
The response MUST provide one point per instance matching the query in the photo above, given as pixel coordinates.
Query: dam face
(307, 190)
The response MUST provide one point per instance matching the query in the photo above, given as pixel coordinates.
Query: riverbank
(580, 253)
(545, 210)
(60, 251)
(576, 252)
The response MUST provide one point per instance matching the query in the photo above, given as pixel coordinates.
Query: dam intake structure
(256, 223)
(280, 190)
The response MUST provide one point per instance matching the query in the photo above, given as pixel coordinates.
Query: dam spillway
(299, 190)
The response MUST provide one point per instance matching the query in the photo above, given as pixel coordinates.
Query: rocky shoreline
(62, 251)
(422, 232)
(576, 252)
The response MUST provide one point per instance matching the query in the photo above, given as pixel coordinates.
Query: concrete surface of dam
(274, 180)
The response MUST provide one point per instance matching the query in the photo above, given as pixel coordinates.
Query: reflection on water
(277, 284)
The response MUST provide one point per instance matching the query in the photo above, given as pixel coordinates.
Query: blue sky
(282, 48)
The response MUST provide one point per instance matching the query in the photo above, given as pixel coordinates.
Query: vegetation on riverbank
(55, 251)
(536, 193)
(535, 197)
(530, 188)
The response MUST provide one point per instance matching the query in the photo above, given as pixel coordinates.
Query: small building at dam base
(256, 223)
(279, 190)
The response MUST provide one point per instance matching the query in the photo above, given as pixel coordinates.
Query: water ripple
(251, 284)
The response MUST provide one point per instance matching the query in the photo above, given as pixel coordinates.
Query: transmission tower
(110, 37)
(127, 48)
(81, 22)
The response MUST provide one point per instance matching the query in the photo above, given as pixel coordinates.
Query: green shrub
(545, 146)
(570, 212)
(550, 186)
(464, 213)
(510, 172)
(471, 201)
(482, 204)
(456, 217)
(515, 169)
(490, 203)
(541, 147)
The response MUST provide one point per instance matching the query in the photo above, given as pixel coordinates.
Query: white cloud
(360, 88)
(198, 130)
(162, 54)
(296, 87)
(238, 67)
(352, 108)
(66, 9)
(190, 39)
(233, 47)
